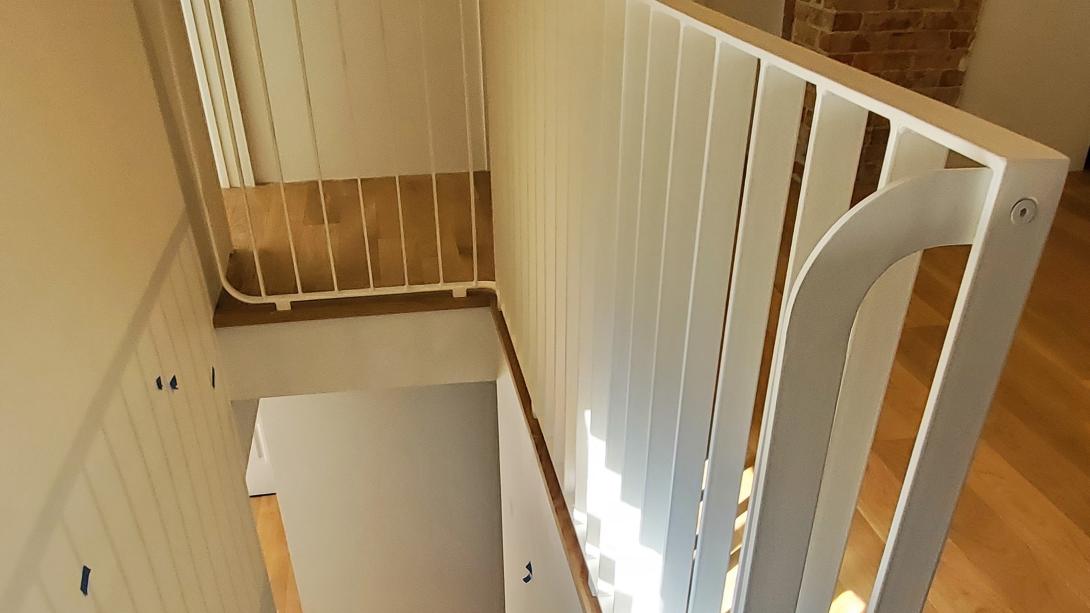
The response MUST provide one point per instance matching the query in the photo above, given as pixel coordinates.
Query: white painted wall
(530, 534)
(764, 14)
(391, 498)
(1029, 71)
(397, 100)
(357, 353)
(98, 266)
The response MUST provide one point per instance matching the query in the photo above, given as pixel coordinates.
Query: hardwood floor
(303, 203)
(274, 548)
(1020, 538)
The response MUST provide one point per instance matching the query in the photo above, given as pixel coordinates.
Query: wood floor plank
(418, 208)
(454, 219)
(274, 548)
(380, 197)
(346, 233)
(486, 264)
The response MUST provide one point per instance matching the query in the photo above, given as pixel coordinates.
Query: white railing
(405, 29)
(642, 163)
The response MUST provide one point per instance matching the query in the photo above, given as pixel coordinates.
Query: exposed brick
(843, 22)
(813, 16)
(929, 4)
(914, 41)
(893, 20)
(961, 40)
(918, 44)
(952, 78)
(949, 95)
(788, 18)
(806, 35)
(860, 5)
(938, 59)
(950, 20)
(877, 62)
(913, 79)
(843, 42)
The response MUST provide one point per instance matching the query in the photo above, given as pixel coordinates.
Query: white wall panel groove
(157, 506)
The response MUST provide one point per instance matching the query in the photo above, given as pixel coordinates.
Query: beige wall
(91, 269)
(390, 499)
(1029, 71)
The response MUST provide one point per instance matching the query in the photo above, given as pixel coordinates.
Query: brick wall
(920, 44)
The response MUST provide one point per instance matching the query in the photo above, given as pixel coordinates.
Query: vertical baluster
(1003, 260)
(551, 170)
(567, 370)
(589, 234)
(522, 198)
(563, 169)
(431, 138)
(579, 296)
(391, 111)
(540, 239)
(939, 209)
(489, 70)
(695, 83)
(469, 137)
(277, 157)
(238, 160)
(664, 58)
(637, 41)
(205, 89)
(724, 159)
(832, 159)
(875, 335)
(355, 138)
(610, 114)
(314, 139)
(773, 141)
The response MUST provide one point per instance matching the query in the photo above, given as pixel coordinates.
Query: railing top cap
(953, 128)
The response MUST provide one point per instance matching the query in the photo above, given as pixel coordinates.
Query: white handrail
(953, 128)
(938, 209)
(664, 460)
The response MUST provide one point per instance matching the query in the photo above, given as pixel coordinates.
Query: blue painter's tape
(85, 580)
(529, 573)
(174, 382)
(159, 382)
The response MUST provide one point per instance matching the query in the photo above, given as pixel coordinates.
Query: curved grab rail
(958, 130)
(937, 209)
